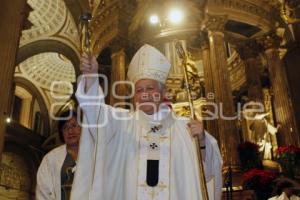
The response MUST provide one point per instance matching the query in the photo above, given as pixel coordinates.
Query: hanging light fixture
(175, 16)
(154, 19)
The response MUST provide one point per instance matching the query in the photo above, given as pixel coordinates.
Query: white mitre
(148, 63)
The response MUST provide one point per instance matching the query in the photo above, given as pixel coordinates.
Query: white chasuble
(119, 169)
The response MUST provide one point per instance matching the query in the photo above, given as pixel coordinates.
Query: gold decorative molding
(215, 23)
(253, 7)
(182, 108)
(255, 12)
(105, 37)
(237, 73)
(110, 23)
(288, 11)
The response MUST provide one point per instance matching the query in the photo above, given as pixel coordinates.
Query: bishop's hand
(89, 64)
(196, 129)
(89, 67)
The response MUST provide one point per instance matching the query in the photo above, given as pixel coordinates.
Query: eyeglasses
(70, 126)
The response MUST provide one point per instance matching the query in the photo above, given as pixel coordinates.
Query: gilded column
(284, 114)
(118, 73)
(212, 125)
(249, 53)
(229, 138)
(12, 16)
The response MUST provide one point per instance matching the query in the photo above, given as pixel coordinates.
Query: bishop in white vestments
(144, 154)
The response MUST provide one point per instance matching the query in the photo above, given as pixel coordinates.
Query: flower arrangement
(249, 156)
(289, 159)
(260, 181)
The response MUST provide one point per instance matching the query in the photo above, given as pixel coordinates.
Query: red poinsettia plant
(260, 181)
(291, 149)
(289, 159)
(258, 177)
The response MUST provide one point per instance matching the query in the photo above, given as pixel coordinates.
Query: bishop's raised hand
(89, 67)
(89, 64)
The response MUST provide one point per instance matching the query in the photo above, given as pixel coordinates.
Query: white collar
(163, 117)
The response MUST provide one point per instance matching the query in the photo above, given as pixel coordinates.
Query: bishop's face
(148, 95)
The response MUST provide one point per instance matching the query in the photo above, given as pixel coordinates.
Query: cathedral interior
(241, 54)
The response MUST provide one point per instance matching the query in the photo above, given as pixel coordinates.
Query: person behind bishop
(56, 171)
(145, 154)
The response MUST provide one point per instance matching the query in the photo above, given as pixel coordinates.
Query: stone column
(12, 16)
(249, 52)
(229, 138)
(284, 114)
(118, 73)
(212, 125)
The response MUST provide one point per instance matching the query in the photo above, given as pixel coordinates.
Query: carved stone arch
(30, 87)
(42, 46)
